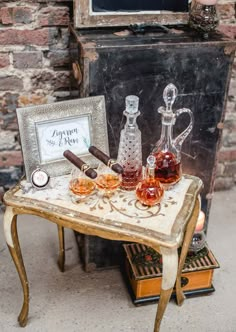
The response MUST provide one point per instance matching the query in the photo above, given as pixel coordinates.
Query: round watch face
(39, 178)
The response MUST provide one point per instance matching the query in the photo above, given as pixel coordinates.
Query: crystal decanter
(167, 150)
(130, 149)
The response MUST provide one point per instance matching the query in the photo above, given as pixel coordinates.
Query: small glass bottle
(130, 148)
(167, 150)
(149, 191)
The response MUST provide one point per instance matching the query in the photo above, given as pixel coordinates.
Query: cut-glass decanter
(130, 149)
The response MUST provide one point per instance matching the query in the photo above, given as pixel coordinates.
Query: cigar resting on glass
(114, 165)
(85, 168)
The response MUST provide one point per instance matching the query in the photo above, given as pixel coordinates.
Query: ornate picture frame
(85, 17)
(48, 130)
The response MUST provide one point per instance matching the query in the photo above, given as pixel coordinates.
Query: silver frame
(28, 117)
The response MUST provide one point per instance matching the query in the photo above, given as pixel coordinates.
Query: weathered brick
(48, 1)
(229, 139)
(230, 169)
(22, 15)
(8, 141)
(223, 183)
(227, 154)
(8, 102)
(228, 30)
(24, 37)
(54, 16)
(6, 15)
(59, 58)
(23, 60)
(9, 122)
(220, 169)
(34, 99)
(59, 38)
(10, 158)
(4, 60)
(51, 80)
(11, 83)
(232, 87)
(230, 123)
(10, 176)
(2, 192)
(226, 10)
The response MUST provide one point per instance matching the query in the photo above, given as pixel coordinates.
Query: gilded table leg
(10, 231)
(61, 257)
(187, 240)
(169, 273)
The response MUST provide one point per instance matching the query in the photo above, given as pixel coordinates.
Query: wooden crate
(143, 268)
(116, 65)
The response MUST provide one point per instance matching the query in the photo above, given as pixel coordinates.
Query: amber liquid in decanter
(130, 147)
(150, 191)
(131, 178)
(168, 169)
(168, 149)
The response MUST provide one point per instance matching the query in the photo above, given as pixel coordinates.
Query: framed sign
(95, 13)
(46, 131)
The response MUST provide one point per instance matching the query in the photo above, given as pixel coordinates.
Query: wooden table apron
(167, 245)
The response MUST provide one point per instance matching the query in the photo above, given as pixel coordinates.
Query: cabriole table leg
(10, 231)
(185, 246)
(169, 273)
(61, 257)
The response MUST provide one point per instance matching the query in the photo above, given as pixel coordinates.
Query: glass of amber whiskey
(80, 186)
(107, 180)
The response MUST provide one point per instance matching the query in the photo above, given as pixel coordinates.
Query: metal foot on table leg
(61, 257)
(23, 316)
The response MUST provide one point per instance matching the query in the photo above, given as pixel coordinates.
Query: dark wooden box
(144, 273)
(116, 65)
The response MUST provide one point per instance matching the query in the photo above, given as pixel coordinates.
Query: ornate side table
(164, 227)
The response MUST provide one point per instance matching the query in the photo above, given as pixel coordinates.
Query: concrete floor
(99, 301)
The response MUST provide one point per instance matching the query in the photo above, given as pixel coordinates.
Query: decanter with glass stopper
(167, 150)
(149, 190)
(130, 148)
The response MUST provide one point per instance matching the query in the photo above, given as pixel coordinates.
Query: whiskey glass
(80, 186)
(107, 180)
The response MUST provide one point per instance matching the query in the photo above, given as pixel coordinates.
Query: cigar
(85, 168)
(115, 166)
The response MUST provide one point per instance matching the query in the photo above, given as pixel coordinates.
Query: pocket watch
(39, 178)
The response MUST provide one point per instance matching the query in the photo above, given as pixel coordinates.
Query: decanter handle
(169, 95)
(181, 137)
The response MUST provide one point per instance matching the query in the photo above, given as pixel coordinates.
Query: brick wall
(226, 172)
(34, 69)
